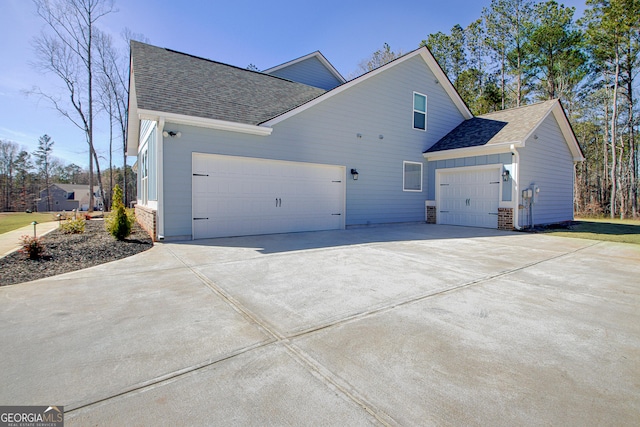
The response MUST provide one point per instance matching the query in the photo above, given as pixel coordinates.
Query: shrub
(73, 226)
(119, 222)
(32, 246)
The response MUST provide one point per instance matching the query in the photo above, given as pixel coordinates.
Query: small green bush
(32, 246)
(73, 226)
(119, 222)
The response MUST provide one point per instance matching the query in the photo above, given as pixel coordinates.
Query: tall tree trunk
(614, 132)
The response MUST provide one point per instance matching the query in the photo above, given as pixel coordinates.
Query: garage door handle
(196, 219)
(336, 214)
(200, 174)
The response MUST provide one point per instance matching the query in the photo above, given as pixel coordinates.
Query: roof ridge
(213, 61)
(549, 101)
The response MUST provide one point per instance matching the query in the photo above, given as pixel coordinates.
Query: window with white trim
(411, 176)
(144, 173)
(419, 111)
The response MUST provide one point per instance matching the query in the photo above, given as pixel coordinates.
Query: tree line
(23, 175)
(521, 51)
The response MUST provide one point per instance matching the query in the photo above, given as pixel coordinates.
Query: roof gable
(312, 69)
(505, 127)
(422, 52)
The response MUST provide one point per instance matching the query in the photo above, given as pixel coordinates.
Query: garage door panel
(469, 197)
(244, 196)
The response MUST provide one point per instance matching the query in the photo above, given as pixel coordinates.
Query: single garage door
(469, 197)
(239, 196)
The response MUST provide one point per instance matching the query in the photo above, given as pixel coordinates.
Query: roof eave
(479, 150)
(203, 122)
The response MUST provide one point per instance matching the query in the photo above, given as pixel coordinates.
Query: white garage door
(469, 197)
(239, 196)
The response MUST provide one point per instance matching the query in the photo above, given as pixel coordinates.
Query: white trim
(481, 150)
(430, 203)
(413, 118)
(515, 186)
(160, 180)
(317, 54)
(423, 52)
(205, 123)
(404, 163)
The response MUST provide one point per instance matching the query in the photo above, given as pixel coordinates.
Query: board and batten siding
(327, 133)
(310, 72)
(547, 163)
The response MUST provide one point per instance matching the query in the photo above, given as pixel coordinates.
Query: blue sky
(237, 32)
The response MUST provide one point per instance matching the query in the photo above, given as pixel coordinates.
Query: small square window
(412, 176)
(419, 111)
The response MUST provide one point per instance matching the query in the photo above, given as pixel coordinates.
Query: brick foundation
(431, 214)
(147, 219)
(505, 219)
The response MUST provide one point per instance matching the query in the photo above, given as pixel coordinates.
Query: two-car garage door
(469, 197)
(238, 196)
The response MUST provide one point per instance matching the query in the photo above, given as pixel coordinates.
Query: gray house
(66, 197)
(225, 151)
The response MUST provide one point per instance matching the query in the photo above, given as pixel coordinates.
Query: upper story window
(419, 111)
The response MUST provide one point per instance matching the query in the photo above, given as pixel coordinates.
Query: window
(412, 176)
(144, 173)
(419, 111)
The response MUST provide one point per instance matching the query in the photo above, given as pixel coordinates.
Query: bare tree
(67, 50)
(378, 59)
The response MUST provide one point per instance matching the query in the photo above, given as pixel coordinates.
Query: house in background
(66, 197)
(225, 151)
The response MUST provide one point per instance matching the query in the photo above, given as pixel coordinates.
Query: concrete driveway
(397, 325)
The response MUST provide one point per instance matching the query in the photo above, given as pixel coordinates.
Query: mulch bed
(71, 252)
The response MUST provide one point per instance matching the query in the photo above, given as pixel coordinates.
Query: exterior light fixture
(505, 175)
(171, 134)
(354, 174)
(359, 135)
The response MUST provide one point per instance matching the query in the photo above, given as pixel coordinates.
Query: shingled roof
(173, 82)
(505, 126)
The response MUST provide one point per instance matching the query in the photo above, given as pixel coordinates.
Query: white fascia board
(568, 134)
(422, 52)
(182, 119)
(565, 128)
(481, 150)
(316, 54)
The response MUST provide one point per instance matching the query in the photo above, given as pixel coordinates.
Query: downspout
(160, 179)
(516, 188)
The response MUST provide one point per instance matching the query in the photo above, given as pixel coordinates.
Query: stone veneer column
(431, 215)
(147, 218)
(505, 219)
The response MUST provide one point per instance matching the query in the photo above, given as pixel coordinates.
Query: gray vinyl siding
(491, 159)
(327, 133)
(548, 163)
(310, 72)
(145, 125)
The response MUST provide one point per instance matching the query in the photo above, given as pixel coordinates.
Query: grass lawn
(611, 230)
(12, 220)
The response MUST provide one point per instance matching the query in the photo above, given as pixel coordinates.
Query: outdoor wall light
(171, 134)
(354, 174)
(505, 175)
(359, 135)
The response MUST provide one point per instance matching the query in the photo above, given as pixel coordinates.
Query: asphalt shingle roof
(512, 125)
(174, 82)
